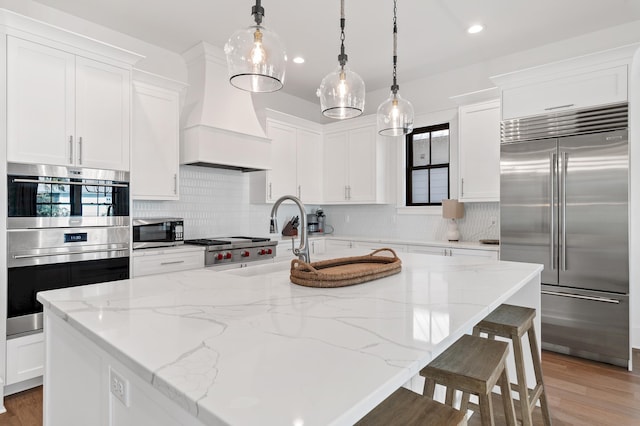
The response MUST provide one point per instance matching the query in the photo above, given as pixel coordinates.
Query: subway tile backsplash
(215, 202)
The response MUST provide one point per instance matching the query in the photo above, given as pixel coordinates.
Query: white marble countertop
(246, 346)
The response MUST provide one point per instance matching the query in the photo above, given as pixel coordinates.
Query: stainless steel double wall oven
(65, 227)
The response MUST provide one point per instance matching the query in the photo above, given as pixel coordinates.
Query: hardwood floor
(23, 409)
(580, 392)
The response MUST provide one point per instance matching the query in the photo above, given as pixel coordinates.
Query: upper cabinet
(585, 81)
(296, 159)
(155, 137)
(479, 151)
(355, 166)
(80, 106)
(68, 97)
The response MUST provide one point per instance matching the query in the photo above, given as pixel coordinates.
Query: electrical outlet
(119, 387)
(494, 220)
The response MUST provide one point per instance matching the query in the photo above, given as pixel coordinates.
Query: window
(427, 165)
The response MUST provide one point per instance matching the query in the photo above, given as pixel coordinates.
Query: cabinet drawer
(581, 90)
(489, 254)
(25, 358)
(159, 264)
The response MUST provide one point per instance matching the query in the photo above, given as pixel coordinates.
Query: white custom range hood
(219, 126)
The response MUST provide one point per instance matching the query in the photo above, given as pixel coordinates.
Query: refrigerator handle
(564, 158)
(552, 197)
(580, 296)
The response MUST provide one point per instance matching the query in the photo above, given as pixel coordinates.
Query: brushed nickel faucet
(303, 251)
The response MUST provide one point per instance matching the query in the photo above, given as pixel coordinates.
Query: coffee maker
(316, 222)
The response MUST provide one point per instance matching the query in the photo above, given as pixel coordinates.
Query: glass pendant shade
(256, 60)
(395, 116)
(341, 94)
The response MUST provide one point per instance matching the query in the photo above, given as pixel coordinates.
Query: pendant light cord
(394, 86)
(342, 57)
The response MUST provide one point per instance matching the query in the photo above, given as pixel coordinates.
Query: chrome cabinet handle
(80, 150)
(299, 191)
(580, 296)
(552, 197)
(559, 107)
(175, 262)
(175, 183)
(349, 189)
(71, 149)
(462, 187)
(345, 192)
(270, 191)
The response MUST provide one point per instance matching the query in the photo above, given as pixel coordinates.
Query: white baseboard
(22, 386)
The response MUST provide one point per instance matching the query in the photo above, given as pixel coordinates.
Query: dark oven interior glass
(33, 196)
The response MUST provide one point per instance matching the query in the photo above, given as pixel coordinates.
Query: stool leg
(507, 401)
(486, 409)
(464, 402)
(537, 367)
(523, 388)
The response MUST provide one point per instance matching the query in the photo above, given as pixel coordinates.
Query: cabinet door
(281, 179)
(479, 152)
(488, 254)
(155, 151)
(103, 95)
(439, 251)
(25, 358)
(309, 166)
(362, 165)
(40, 103)
(335, 167)
(317, 246)
(583, 89)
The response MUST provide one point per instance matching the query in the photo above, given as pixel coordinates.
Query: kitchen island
(247, 347)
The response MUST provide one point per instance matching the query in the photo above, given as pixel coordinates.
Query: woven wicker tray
(345, 271)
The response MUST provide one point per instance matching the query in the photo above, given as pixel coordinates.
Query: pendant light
(341, 92)
(256, 57)
(395, 115)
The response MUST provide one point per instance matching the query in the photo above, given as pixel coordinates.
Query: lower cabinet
(317, 246)
(457, 252)
(162, 261)
(25, 358)
(398, 248)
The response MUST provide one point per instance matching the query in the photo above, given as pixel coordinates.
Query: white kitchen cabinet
(453, 251)
(583, 89)
(369, 245)
(25, 358)
(331, 245)
(317, 246)
(65, 109)
(150, 261)
(479, 151)
(355, 169)
(155, 141)
(296, 158)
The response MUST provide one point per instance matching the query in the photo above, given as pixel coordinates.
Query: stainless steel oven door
(48, 259)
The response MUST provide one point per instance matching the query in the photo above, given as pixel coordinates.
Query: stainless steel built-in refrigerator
(564, 204)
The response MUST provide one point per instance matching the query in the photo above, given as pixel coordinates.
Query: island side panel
(77, 386)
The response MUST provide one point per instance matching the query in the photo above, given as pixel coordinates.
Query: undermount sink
(252, 271)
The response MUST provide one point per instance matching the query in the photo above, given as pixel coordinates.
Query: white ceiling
(432, 34)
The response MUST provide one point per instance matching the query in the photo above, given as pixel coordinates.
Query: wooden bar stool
(512, 322)
(473, 365)
(404, 407)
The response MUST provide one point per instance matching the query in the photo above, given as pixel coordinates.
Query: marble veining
(231, 347)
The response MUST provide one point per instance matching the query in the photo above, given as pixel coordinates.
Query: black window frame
(409, 168)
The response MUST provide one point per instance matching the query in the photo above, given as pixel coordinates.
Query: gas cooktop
(228, 250)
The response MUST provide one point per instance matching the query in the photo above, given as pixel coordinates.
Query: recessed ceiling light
(474, 29)
(298, 60)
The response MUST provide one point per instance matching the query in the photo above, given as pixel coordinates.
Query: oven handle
(31, 256)
(60, 182)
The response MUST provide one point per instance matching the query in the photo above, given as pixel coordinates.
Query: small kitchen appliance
(157, 232)
(313, 224)
(228, 251)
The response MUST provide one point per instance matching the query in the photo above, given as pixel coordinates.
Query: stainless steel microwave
(157, 232)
